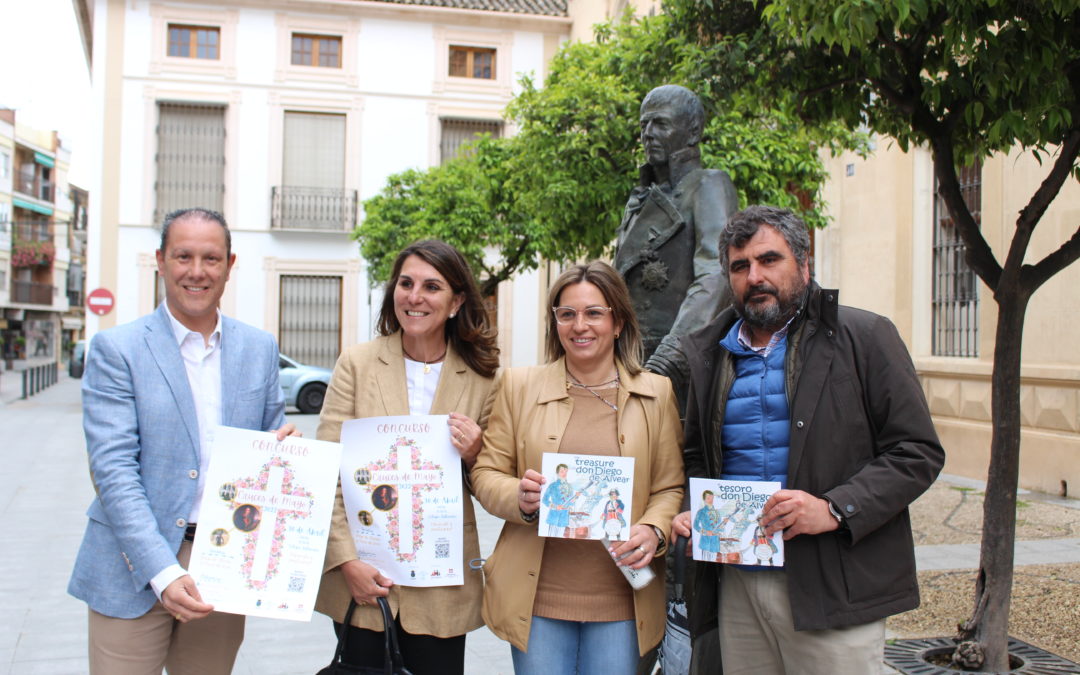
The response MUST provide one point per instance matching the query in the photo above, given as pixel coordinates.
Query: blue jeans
(558, 647)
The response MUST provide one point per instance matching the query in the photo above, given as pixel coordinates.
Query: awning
(44, 160)
(31, 206)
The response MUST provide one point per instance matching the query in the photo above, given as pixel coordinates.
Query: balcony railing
(307, 208)
(38, 189)
(31, 231)
(31, 293)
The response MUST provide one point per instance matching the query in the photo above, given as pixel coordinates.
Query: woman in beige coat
(562, 603)
(436, 355)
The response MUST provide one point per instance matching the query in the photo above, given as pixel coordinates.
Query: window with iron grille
(474, 62)
(190, 158)
(309, 324)
(323, 51)
(456, 132)
(194, 42)
(312, 194)
(955, 285)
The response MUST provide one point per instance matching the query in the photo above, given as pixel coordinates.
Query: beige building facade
(37, 322)
(891, 249)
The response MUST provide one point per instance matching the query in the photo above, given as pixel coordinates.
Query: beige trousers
(156, 640)
(758, 637)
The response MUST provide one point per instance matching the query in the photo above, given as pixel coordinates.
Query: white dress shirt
(421, 385)
(202, 361)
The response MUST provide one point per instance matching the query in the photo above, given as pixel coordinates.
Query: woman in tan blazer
(436, 354)
(562, 603)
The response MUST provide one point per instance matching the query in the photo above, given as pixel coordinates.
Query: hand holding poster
(263, 523)
(726, 524)
(586, 496)
(401, 483)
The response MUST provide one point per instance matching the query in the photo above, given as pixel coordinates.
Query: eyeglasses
(592, 315)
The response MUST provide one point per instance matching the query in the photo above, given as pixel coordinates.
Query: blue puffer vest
(757, 429)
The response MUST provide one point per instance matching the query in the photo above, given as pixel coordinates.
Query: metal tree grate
(909, 656)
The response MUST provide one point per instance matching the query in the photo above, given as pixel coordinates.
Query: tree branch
(1032, 214)
(979, 256)
(491, 281)
(1038, 274)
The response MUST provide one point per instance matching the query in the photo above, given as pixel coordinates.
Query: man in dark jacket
(787, 385)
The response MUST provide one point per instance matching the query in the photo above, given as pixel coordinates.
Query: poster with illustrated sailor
(263, 524)
(401, 482)
(586, 496)
(725, 522)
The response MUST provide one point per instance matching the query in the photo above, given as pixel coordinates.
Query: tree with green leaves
(556, 189)
(967, 78)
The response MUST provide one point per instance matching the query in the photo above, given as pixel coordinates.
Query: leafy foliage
(557, 188)
(990, 73)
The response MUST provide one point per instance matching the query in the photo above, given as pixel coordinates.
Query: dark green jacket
(861, 435)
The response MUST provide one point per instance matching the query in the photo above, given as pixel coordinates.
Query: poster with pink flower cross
(401, 483)
(264, 520)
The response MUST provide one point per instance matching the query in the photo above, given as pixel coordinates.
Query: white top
(421, 379)
(202, 361)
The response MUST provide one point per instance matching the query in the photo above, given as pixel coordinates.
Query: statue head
(672, 119)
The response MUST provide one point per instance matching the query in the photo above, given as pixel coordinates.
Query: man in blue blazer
(152, 391)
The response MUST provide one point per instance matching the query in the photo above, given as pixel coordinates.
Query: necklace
(427, 364)
(573, 382)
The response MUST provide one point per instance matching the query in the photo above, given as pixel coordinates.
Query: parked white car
(304, 386)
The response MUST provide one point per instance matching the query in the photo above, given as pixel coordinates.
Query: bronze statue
(667, 247)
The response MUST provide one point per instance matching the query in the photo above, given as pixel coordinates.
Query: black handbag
(393, 663)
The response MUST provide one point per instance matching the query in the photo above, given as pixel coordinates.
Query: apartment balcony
(31, 231)
(32, 293)
(307, 208)
(35, 188)
(75, 299)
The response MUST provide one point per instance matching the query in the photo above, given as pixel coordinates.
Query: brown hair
(628, 348)
(470, 332)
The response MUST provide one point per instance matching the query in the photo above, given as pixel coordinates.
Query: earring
(616, 336)
(453, 314)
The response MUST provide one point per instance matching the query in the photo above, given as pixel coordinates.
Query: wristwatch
(835, 513)
(661, 544)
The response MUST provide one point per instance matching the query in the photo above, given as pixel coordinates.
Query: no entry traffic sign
(100, 301)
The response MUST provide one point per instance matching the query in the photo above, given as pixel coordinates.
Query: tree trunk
(989, 624)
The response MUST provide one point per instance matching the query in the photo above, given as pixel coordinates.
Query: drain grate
(909, 656)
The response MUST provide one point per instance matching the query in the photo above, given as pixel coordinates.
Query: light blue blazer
(142, 437)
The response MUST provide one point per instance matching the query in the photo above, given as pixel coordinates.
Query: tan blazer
(530, 414)
(369, 381)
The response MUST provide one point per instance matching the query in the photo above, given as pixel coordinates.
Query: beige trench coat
(529, 416)
(369, 381)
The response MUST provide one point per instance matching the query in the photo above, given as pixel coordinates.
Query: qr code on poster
(442, 549)
(296, 584)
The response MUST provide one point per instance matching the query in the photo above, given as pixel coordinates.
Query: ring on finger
(641, 550)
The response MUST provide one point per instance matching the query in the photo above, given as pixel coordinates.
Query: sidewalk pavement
(43, 630)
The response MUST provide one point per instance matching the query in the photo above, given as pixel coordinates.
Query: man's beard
(771, 316)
